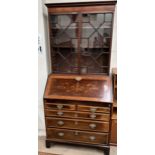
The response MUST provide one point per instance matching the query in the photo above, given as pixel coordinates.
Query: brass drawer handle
(78, 78)
(76, 133)
(92, 126)
(92, 116)
(76, 123)
(61, 134)
(92, 138)
(60, 113)
(60, 123)
(59, 106)
(93, 109)
(76, 115)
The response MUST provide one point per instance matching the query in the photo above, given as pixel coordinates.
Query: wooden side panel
(114, 132)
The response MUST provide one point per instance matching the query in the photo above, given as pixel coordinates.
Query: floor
(72, 150)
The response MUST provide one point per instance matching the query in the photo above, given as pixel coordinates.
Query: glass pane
(84, 43)
(64, 34)
(95, 43)
(108, 17)
(63, 20)
(85, 18)
(87, 30)
(105, 32)
(96, 19)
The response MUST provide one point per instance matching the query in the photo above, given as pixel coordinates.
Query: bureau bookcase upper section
(81, 37)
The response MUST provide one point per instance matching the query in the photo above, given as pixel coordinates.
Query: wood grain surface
(88, 88)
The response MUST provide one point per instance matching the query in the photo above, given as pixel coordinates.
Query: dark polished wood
(79, 87)
(107, 151)
(79, 136)
(93, 109)
(48, 143)
(77, 124)
(83, 9)
(60, 106)
(81, 37)
(73, 4)
(77, 114)
(114, 76)
(113, 139)
(87, 113)
(78, 95)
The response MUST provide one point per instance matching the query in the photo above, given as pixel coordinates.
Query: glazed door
(81, 42)
(64, 34)
(95, 43)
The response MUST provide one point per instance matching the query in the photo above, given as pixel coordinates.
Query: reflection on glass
(96, 19)
(83, 48)
(63, 20)
(108, 17)
(84, 43)
(64, 43)
(95, 42)
(106, 32)
(85, 18)
(87, 30)
(64, 30)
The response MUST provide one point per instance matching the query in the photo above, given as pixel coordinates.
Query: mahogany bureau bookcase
(78, 95)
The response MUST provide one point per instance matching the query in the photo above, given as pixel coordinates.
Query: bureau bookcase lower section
(78, 122)
(78, 110)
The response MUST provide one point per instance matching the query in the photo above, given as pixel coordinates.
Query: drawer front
(83, 115)
(94, 116)
(77, 124)
(60, 113)
(80, 136)
(94, 109)
(60, 106)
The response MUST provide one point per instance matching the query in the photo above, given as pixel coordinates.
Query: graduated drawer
(72, 114)
(93, 109)
(77, 124)
(79, 136)
(60, 106)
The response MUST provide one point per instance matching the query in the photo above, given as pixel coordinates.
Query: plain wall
(43, 70)
(43, 57)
